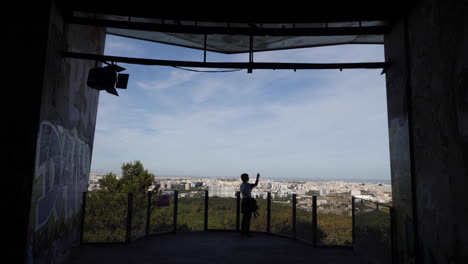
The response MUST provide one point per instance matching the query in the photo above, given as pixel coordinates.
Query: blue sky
(326, 124)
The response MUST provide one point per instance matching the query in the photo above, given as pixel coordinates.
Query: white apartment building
(221, 191)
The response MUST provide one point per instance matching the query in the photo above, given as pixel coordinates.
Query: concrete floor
(212, 247)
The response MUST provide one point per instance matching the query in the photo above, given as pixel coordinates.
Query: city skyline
(283, 124)
(377, 191)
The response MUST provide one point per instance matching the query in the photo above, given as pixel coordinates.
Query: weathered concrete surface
(64, 141)
(215, 247)
(437, 58)
(399, 137)
(438, 52)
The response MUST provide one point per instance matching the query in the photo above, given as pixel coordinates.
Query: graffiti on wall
(62, 169)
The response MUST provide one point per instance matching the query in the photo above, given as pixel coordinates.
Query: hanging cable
(192, 70)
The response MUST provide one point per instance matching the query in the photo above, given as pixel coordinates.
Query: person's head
(245, 177)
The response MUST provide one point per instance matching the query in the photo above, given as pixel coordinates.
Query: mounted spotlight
(108, 78)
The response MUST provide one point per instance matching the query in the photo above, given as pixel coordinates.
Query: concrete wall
(64, 141)
(398, 101)
(432, 69)
(26, 42)
(438, 51)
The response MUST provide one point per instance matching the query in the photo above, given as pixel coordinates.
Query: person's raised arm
(256, 181)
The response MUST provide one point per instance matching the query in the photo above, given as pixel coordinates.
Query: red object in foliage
(163, 200)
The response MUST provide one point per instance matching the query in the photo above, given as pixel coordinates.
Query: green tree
(106, 213)
(135, 178)
(109, 182)
(106, 208)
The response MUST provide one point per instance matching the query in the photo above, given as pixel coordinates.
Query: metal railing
(330, 221)
(106, 217)
(372, 231)
(334, 219)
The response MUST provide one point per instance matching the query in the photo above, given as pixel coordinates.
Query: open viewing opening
(307, 132)
(303, 125)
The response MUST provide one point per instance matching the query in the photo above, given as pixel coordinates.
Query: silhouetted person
(246, 191)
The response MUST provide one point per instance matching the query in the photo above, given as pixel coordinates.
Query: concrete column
(428, 122)
(55, 131)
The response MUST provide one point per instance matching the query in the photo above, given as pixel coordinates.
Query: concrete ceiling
(237, 28)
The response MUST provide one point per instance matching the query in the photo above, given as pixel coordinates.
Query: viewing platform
(212, 247)
(144, 227)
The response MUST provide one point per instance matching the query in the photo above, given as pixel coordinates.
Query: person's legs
(243, 226)
(247, 216)
(244, 218)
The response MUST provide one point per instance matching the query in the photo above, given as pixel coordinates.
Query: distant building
(367, 197)
(221, 191)
(259, 194)
(324, 192)
(387, 188)
(93, 183)
(284, 193)
(187, 186)
(165, 185)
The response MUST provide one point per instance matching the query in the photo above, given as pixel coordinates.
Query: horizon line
(304, 179)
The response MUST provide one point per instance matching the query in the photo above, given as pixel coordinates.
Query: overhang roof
(239, 29)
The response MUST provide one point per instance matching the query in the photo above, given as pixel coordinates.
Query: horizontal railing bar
(335, 246)
(247, 31)
(103, 243)
(228, 65)
(380, 204)
(222, 230)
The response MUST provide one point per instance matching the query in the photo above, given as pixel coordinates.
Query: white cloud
(121, 47)
(176, 77)
(227, 86)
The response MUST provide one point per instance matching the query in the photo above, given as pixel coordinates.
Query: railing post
(237, 210)
(205, 226)
(176, 203)
(128, 236)
(294, 216)
(377, 206)
(83, 215)
(269, 212)
(353, 222)
(148, 214)
(392, 231)
(314, 221)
